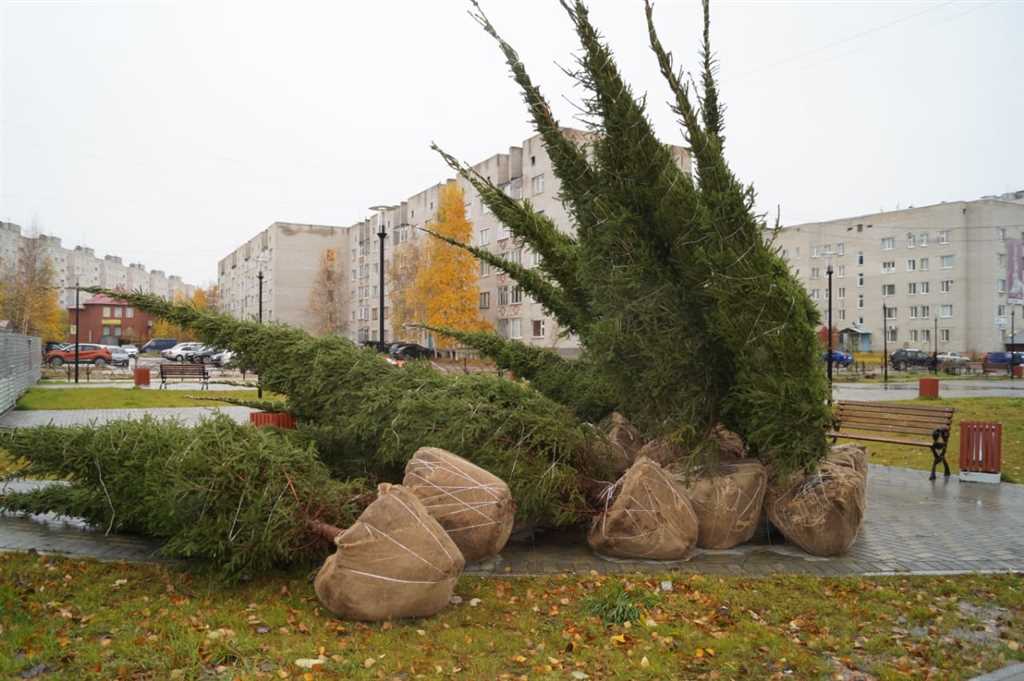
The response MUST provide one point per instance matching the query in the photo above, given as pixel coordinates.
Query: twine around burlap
(646, 515)
(474, 506)
(395, 561)
(728, 502)
(822, 512)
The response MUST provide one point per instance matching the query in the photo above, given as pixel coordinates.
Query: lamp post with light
(381, 234)
(261, 260)
(828, 271)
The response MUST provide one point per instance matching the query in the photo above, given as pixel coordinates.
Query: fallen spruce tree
(245, 499)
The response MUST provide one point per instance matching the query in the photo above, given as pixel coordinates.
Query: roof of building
(104, 299)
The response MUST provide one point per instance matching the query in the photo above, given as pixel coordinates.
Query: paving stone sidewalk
(73, 417)
(912, 526)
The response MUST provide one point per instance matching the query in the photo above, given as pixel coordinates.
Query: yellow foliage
(446, 286)
(324, 301)
(404, 307)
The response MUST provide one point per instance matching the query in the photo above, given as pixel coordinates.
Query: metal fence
(20, 362)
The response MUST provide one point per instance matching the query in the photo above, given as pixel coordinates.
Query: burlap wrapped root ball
(822, 512)
(647, 515)
(618, 443)
(473, 506)
(728, 502)
(395, 561)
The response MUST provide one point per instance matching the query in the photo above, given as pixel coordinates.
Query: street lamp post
(828, 271)
(885, 347)
(935, 346)
(259, 319)
(381, 234)
(78, 326)
(1013, 341)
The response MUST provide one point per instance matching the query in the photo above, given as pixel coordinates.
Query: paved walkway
(74, 417)
(912, 526)
(908, 390)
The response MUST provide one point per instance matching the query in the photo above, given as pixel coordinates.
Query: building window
(503, 295)
(860, 258)
(913, 335)
(860, 301)
(117, 331)
(841, 293)
(485, 300)
(922, 239)
(893, 336)
(910, 240)
(815, 251)
(815, 294)
(945, 311)
(517, 295)
(538, 328)
(912, 288)
(485, 268)
(1002, 233)
(922, 265)
(946, 286)
(815, 273)
(926, 335)
(922, 287)
(944, 335)
(106, 311)
(537, 185)
(842, 314)
(129, 312)
(944, 237)
(890, 312)
(841, 271)
(515, 328)
(860, 279)
(925, 312)
(947, 262)
(840, 248)
(911, 265)
(888, 243)
(888, 266)
(485, 237)
(1001, 311)
(888, 289)
(1001, 259)
(1001, 285)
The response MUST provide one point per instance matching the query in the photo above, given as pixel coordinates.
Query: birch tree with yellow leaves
(446, 288)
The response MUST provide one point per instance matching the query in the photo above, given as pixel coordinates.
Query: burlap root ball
(647, 515)
(728, 502)
(822, 512)
(473, 506)
(395, 561)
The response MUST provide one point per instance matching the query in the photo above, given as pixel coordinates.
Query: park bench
(896, 424)
(185, 371)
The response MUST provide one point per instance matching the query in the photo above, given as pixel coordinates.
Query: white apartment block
(938, 274)
(289, 256)
(293, 252)
(81, 265)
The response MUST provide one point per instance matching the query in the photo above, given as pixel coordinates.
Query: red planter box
(981, 447)
(928, 387)
(277, 419)
(141, 376)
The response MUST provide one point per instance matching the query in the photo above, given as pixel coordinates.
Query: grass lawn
(124, 398)
(1006, 410)
(90, 620)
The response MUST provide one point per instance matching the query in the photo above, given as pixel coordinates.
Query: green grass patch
(1008, 411)
(125, 398)
(90, 620)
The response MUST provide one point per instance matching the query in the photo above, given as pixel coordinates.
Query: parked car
(53, 345)
(118, 356)
(407, 351)
(203, 355)
(88, 353)
(159, 345)
(223, 358)
(951, 359)
(132, 351)
(839, 358)
(179, 353)
(904, 358)
(999, 361)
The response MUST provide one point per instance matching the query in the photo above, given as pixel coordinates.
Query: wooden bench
(896, 424)
(183, 371)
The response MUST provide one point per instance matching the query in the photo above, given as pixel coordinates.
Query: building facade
(110, 321)
(81, 265)
(937, 274)
(523, 172)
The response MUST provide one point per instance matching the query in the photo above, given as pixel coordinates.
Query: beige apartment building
(289, 255)
(937, 273)
(81, 265)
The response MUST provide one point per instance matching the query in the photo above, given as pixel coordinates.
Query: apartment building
(289, 256)
(81, 265)
(939, 275)
(523, 172)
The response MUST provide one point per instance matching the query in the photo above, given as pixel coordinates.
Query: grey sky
(169, 132)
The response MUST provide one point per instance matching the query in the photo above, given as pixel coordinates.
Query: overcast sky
(169, 132)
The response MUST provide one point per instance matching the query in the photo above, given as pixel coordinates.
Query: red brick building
(110, 321)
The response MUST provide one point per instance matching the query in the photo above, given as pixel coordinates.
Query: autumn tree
(165, 329)
(446, 285)
(405, 307)
(324, 301)
(31, 300)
